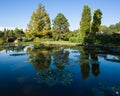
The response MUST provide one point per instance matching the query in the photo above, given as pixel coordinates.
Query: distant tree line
(110, 35)
(10, 35)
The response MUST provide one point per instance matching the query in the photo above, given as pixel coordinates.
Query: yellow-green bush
(1, 41)
(37, 39)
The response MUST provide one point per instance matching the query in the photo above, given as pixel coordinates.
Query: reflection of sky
(74, 57)
(111, 57)
(109, 71)
(52, 66)
(74, 54)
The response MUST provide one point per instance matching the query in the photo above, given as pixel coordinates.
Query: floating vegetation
(52, 77)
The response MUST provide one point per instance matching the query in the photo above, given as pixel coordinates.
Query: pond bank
(78, 44)
(66, 43)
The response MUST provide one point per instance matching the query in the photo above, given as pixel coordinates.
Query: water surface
(47, 70)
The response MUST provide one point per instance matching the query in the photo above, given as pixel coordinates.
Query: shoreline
(65, 43)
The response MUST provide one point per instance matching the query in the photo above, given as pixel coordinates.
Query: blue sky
(17, 13)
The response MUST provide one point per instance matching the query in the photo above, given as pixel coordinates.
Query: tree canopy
(60, 27)
(96, 21)
(114, 28)
(39, 25)
(85, 23)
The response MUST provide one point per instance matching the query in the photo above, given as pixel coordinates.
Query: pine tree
(39, 25)
(60, 27)
(85, 23)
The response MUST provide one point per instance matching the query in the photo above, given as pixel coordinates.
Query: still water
(47, 70)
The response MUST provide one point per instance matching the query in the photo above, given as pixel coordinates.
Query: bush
(1, 41)
(37, 39)
(75, 39)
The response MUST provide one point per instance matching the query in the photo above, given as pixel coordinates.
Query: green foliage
(75, 39)
(60, 27)
(27, 39)
(96, 21)
(90, 31)
(105, 39)
(85, 22)
(13, 34)
(39, 25)
(114, 28)
(37, 39)
(18, 33)
(103, 28)
(1, 34)
(1, 41)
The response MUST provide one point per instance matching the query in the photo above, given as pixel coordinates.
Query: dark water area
(48, 70)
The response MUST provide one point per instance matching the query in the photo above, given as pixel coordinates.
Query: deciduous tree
(60, 27)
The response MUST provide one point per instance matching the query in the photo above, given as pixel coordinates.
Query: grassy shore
(67, 43)
(52, 42)
(60, 43)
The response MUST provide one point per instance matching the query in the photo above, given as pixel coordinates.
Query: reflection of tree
(88, 58)
(40, 58)
(85, 70)
(95, 69)
(60, 58)
(1, 48)
(14, 48)
(84, 64)
(95, 64)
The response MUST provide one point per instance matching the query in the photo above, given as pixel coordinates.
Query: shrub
(37, 39)
(1, 41)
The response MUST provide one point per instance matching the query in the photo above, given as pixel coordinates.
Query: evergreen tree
(96, 21)
(60, 27)
(39, 25)
(85, 23)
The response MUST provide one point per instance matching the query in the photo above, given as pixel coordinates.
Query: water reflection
(60, 70)
(95, 64)
(84, 64)
(13, 50)
(60, 58)
(89, 61)
(43, 57)
(40, 58)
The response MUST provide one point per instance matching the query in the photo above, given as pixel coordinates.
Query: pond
(48, 70)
